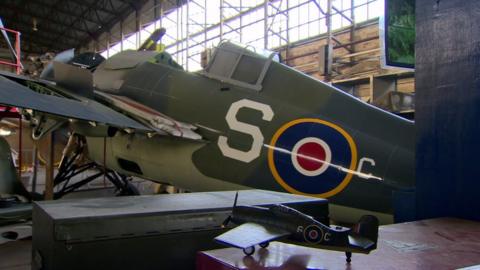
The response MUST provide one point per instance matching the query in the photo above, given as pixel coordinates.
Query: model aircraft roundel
(313, 234)
(312, 157)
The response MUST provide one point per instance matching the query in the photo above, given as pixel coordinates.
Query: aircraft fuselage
(295, 134)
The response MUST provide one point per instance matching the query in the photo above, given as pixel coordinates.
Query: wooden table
(443, 243)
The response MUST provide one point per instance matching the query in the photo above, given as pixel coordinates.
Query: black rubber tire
(349, 256)
(128, 190)
(264, 244)
(249, 250)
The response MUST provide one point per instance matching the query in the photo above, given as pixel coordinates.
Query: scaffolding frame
(194, 33)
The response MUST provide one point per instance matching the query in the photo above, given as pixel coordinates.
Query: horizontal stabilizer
(365, 233)
(250, 234)
(360, 242)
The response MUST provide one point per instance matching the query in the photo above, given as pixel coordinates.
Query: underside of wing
(360, 242)
(150, 117)
(250, 234)
(16, 95)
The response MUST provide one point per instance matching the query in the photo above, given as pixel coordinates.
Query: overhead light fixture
(34, 28)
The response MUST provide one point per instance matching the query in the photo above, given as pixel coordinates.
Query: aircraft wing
(15, 232)
(360, 242)
(16, 95)
(250, 234)
(152, 118)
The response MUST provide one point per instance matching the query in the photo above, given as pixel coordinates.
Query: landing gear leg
(349, 256)
(122, 183)
(72, 165)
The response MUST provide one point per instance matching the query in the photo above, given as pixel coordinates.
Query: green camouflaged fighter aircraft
(245, 121)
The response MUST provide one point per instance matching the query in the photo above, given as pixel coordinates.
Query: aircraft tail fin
(367, 227)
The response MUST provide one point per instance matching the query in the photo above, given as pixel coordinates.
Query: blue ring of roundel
(329, 179)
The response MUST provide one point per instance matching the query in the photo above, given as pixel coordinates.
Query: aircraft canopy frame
(239, 66)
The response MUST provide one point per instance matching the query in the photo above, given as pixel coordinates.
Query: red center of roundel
(310, 156)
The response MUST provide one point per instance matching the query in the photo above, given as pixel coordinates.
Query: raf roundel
(312, 157)
(313, 234)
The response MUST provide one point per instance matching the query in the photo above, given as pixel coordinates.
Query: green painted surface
(252, 122)
(199, 100)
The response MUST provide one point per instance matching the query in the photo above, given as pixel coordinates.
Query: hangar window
(240, 65)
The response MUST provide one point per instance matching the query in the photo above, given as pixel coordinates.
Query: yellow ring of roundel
(332, 192)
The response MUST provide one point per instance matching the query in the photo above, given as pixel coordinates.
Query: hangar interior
(194, 28)
(397, 139)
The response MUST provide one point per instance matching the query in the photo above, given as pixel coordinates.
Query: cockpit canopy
(282, 210)
(240, 65)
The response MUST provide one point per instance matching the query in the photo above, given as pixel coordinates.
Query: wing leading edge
(250, 234)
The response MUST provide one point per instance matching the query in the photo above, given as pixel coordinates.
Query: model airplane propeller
(261, 225)
(229, 218)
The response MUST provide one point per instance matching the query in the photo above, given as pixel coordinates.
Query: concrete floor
(16, 255)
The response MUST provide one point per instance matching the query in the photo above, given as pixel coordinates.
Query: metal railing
(16, 64)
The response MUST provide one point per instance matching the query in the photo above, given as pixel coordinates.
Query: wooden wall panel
(359, 64)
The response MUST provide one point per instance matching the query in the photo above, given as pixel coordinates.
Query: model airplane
(246, 121)
(260, 225)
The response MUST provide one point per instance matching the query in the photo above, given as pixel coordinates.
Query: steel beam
(87, 9)
(26, 28)
(100, 8)
(329, 49)
(57, 8)
(41, 17)
(110, 23)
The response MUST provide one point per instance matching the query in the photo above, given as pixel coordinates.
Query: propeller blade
(226, 221)
(154, 38)
(235, 201)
